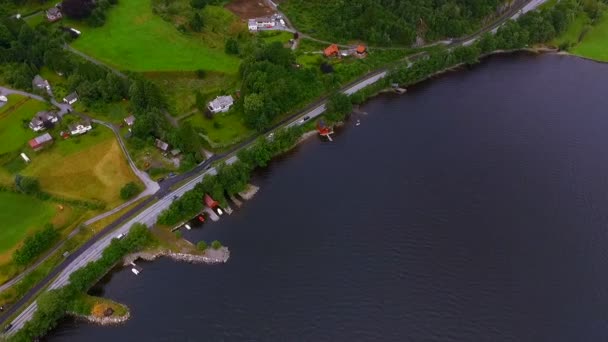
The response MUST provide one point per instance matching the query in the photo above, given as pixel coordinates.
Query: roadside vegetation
(54, 304)
(389, 22)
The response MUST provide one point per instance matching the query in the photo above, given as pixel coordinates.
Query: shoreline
(103, 321)
(211, 256)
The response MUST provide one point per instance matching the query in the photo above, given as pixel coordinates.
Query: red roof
(210, 202)
(33, 143)
(331, 50)
(361, 49)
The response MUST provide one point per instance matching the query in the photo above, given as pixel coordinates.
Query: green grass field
(89, 167)
(221, 131)
(595, 42)
(20, 215)
(12, 133)
(136, 39)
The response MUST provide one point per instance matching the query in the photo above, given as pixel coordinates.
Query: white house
(3, 98)
(80, 127)
(70, 99)
(130, 120)
(42, 119)
(253, 25)
(221, 104)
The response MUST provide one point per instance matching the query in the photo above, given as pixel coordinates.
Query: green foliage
(201, 245)
(35, 245)
(178, 234)
(385, 22)
(272, 85)
(232, 46)
(28, 185)
(196, 23)
(129, 190)
(216, 245)
(338, 106)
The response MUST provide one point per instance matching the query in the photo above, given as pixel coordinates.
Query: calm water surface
(473, 208)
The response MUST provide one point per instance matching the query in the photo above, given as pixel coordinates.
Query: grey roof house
(42, 119)
(53, 14)
(40, 83)
(80, 127)
(130, 120)
(161, 145)
(70, 99)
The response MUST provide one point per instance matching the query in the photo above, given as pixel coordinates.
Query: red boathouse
(210, 202)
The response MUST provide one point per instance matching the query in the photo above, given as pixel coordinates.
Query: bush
(28, 185)
(201, 245)
(216, 245)
(178, 234)
(35, 245)
(129, 190)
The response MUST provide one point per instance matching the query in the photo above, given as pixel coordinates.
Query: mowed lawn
(21, 214)
(12, 133)
(595, 42)
(89, 167)
(134, 38)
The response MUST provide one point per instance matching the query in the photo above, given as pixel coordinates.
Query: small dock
(397, 89)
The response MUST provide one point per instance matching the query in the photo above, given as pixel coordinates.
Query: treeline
(230, 179)
(532, 28)
(35, 245)
(385, 22)
(93, 12)
(273, 84)
(53, 305)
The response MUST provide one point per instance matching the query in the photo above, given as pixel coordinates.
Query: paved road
(92, 250)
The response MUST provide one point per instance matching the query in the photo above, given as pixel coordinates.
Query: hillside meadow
(134, 38)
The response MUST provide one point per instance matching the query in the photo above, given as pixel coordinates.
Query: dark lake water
(473, 208)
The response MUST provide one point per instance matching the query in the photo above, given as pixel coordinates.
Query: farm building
(80, 127)
(40, 142)
(72, 98)
(42, 120)
(331, 51)
(53, 14)
(40, 83)
(258, 23)
(161, 145)
(221, 104)
(129, 120)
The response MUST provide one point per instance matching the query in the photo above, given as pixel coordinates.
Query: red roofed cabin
(210, 202)
(331, 51)
(361, 51)
(40, 142)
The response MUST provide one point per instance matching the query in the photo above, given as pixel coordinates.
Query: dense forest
(383, 22)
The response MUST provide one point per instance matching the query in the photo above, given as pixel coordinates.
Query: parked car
(65, 254)
(171, 174)
(120, 236)
(160, 179)
(8, 327)
(306, 118)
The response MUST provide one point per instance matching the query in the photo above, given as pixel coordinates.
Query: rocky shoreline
(112, 320)
(211, 256)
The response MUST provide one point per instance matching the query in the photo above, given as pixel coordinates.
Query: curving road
(92, 249)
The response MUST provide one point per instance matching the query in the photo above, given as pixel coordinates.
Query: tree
(77, 9)
(199, 101)
(196, 23)
(129, 190)
(232, 46)
(338, 106)
(198, 4)
(201, 245)
(28, 185)
(216, 245)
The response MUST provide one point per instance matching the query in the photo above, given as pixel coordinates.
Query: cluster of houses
(47, 119)
(274, 22)
(334, 51)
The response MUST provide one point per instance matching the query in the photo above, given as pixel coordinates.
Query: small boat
(187, 226)
(219, 211)
(201, 218)
(358, 123)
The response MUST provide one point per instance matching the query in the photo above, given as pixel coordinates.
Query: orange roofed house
(331, 51)
(361, 50)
